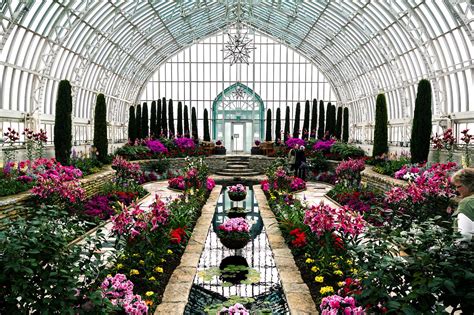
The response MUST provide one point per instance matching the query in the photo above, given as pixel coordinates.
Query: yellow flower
(119, 266)
(170, 251)
(136, 255)
(341, 283)
(354, 271)
(149, 302)
(149, 293)
(334, 265)
(141, 262)
(152, 278)
(338, 272)
(163, 260)
(319, 279)
(309, 260)
(149, 253)
(134, 272)
(327, 289)
(273, 197)
(315, 269)
(349, 262)
(109, 276)
(159, 269)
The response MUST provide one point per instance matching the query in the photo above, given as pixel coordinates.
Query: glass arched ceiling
(113, 47)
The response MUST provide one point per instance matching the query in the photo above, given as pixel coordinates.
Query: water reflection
(256, 253)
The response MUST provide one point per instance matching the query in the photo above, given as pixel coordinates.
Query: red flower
(300, 238)
(177, 235)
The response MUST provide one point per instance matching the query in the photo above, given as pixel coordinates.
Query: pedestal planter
(234, 269)
(237, 212)
(234, 243)
(237, 196)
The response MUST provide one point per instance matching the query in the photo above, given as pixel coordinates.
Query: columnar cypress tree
(171, 119)
(63, 123)
(345, 130)
(268, 134)
(321, 120)
(287, 123)
(314, 117)
(180, 119)
(153, 120)
(100, 128)
(164, 118)
(329, 127)
(296, 126)
(422, 125)
(306, 121)
(278, 125)
(138, 119)
(194, 125)
(158, 118)
(338, 129)
(380, 131)
(186, 122)
(145, 129)
(207, 136)
(132, 126)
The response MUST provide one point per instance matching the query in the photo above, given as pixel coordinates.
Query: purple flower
(156, 146)
(291, 142)
(184, 143)
(323, 145)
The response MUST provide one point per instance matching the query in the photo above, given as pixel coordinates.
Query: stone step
(237, 165)
(237, 158)
(237, 174)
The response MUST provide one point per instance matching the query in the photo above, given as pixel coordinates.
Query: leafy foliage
(346, 151)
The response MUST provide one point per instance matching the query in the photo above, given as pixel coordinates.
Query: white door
(238, 137)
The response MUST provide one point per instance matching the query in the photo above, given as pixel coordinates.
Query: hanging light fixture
(238, 93)
(238, 47)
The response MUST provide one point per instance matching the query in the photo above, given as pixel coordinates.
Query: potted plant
(255, 150)
(219, 149)
(234, 233)
(237, 192)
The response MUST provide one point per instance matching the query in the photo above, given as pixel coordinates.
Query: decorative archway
(238, 117)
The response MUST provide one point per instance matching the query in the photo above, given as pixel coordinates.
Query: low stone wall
(16, 205)
(380, 182)
(260, 163)
(214, 162)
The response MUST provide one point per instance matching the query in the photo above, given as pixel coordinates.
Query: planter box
(219, 150)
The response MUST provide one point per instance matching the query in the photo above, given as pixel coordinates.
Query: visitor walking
(292, 159)
(300, 164)
(464, 182)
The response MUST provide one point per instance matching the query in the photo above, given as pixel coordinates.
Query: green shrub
(88, 165)
(179, 123)
(268, 134)
(158, 119)
(63, 123)
(132, 152)
(194, 125)
(145, 125)
(171, 118)
(314, 118)
(132, 125)
(138, 120)
(296, 126)
(346, 151)
(380, 130)
(321, 120)
(338, 131)
(422, 124)
(164, 119)
(287, 124)
(186, 122)
(278, 126)
(306, 121)
(318, 162)
(153, 120)
(12, 186)
(100, 128)
(207, 136)
(345, 130)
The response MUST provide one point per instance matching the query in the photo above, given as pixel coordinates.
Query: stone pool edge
(177, 291)
(296, 291)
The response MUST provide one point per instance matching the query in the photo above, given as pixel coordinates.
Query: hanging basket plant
(237, 192)
(234, 233)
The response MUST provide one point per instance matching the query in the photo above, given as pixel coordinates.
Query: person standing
(464, 182)
(300, 164)
(292, 158)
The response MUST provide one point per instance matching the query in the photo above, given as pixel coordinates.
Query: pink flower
(210, 184)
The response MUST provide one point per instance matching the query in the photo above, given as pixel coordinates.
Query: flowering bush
(236, 309)
(210, 184)
(34, 143)
(177, 236)
(348, 172)
(291, 142)
(257, 142)
(237, 192)
(234, 233)
(119, 291)
(184, 143)
(466, 138)
(297, 184)
(126, 171)
(265, 185)
(11, 136)
(323, 219)
(156, 146)
(238, 225)
(324, 145)
(239, 188)
(299, 238)
(177, 183)
(408, 172)
(335, 304)
(99, 206)
(57, 181)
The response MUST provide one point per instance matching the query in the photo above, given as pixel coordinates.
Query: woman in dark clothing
(300, 164)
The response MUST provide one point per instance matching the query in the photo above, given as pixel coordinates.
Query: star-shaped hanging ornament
(238, 93)
(238, 48)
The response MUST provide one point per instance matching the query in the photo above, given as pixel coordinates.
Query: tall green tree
(186, 122)
(138, 119)
(287, 123)
(296, 126)
(422, 124)
(63, 123)
(153, 119)
(207, 136)
(158, 118)
(164, 118)
(194, 125)
(179, 124)
(171, 119)
(314, 117)
(338, 130)
(330, 119)
(321, 120)
(268, 134)
(380, 131)
(345, 130)
(145, 126)
(132, 126)
(278, 126)
(100, 128)
(306, 121)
